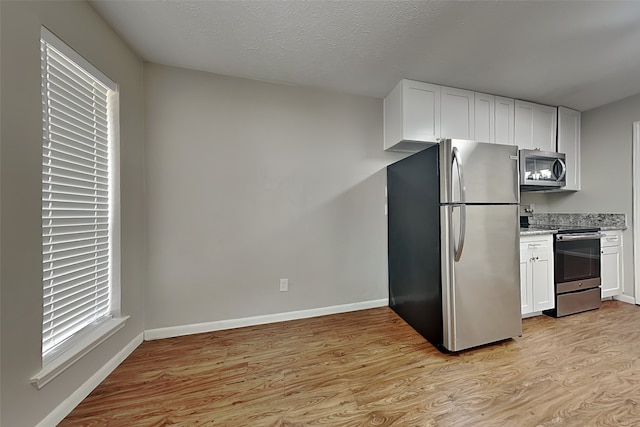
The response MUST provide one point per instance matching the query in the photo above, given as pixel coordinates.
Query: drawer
(536, 244)
(575, 302)
(611, 239)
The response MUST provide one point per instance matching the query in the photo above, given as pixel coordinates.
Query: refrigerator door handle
(456, 158)
(457, 250)
(463, 209)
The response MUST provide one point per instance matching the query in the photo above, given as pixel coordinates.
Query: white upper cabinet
(418, 114)
(484, 117)
(504, 121)
(535, 126)
(569, 144)
(411, 116)
(457, 113)
(494, 119)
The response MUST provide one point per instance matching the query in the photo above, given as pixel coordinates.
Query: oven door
(577, 259)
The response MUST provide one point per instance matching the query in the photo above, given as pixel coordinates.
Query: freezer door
(481, 291)
(478, 172)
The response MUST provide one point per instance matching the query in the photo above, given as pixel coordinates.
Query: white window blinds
(76, 208)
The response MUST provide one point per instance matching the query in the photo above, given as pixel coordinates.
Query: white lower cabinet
(536, 273)
(611, 263)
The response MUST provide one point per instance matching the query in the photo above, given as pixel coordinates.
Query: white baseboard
(625, 298)
(67, 405)
(198, 328)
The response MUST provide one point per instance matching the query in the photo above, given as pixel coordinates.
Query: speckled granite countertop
(525, 232)
(605, 222)
(592, 219)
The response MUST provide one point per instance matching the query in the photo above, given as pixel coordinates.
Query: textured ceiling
(573, 53)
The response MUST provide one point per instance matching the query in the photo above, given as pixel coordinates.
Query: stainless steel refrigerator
(454, 254)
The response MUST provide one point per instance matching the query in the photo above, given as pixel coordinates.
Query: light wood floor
(370, 368)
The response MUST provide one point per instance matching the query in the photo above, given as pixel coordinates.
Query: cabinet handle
(535, 245)
(612, 239)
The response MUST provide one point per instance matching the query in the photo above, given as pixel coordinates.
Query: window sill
(58, 365)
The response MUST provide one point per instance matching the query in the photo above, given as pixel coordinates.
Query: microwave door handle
(564, 169)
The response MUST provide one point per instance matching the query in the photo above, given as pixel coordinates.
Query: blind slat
(77, 147)
(67, 306)
(63, 286)
(76, 106)
(58, 254)
(75, 168)
(83, 77)
(69, 274)
(58, 128)
(53, 151)
(68, 175)
(76, 317)
(67, 86)
(76, 261)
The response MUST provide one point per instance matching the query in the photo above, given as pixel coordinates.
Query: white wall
(249, 182)
(606, 172)
(20, 177)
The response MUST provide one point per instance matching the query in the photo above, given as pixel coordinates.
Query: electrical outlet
(284, 285)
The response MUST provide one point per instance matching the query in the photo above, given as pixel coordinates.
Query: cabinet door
(544, 127)
(457, 113)
(542, 281)
(525, 283)
(484, 117)
(524, 125)
(504, 132)
(535, 126)
(611, 271)
(569, 143)
(411, 116)
(421, 111)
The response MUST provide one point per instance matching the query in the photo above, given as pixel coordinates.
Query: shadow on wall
(333, 250)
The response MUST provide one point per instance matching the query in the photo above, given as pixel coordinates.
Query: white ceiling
(572, 53)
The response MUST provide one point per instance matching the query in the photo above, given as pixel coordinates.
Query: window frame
(90, 336)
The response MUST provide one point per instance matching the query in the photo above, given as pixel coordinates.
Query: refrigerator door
(478, 172)
(480, 291)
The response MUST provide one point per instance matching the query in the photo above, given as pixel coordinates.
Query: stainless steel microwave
(542, 170)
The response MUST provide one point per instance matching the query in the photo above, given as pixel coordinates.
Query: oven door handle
(584, 236)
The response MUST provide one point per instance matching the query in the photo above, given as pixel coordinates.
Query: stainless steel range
(577, 271)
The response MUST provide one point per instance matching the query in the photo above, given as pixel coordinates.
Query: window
(80, 219)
